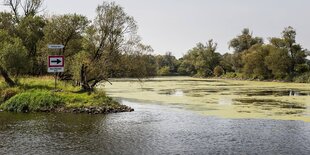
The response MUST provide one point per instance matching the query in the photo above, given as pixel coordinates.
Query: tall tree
(67, 30)
(13, 57)
(201, 60)
(30, 31)
(254, 62)
(27, 25)
(28, 7)
(241, 43)
(111, 37)
(295, 51)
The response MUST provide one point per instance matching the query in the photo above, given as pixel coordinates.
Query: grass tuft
(33, 101)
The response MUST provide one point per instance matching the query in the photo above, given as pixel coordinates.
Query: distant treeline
(279, 59)
(108, 46)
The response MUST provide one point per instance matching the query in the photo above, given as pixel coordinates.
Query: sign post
(56, 63)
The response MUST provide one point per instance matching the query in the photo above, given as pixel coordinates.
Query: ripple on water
(151, 129)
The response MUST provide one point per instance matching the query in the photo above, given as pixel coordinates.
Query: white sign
(54, 46)
(55, 69)
(56, 63)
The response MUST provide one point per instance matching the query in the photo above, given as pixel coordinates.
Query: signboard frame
(55, 68)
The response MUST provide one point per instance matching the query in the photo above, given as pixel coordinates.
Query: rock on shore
(99, 110)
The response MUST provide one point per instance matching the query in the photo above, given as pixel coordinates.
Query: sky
(178, 25)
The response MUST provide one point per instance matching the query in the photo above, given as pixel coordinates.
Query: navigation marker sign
(56, 63)
(55, 46)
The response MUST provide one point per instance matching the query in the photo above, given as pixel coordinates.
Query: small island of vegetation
(37, 94)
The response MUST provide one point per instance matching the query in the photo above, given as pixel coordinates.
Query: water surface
(220, 97)
(151, 129)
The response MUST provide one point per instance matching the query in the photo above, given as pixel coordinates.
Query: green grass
(35, 94)
(34, 100)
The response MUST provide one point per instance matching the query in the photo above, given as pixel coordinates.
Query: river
(150, 129)
(173, 116)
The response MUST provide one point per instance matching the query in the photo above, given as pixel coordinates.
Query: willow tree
(66, 30)
(13, 57)
(27, 25)
(111, 46)
(297, 54)
(28, 7)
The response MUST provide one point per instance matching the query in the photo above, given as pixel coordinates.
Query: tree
(30, 31)
(227, 62)
(296, 53)
(254, 62)
(167, 61)
(201, 60)
(110, 43)
(244, 41)
(67, 30)
(218, 71)
(29, 7)
(7, 22)
(13, 57)
(27, 25)
(278, 61)
(241, 43)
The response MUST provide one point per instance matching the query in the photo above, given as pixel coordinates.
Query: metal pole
(55, 80)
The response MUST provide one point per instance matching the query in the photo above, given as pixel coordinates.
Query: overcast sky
(177, 25)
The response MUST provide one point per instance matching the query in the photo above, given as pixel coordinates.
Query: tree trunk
(84, 82)
(6, 77)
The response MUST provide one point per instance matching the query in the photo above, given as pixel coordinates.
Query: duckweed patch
(269, 102)
(221, 97)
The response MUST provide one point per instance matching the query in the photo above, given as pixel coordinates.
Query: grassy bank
(37, 94)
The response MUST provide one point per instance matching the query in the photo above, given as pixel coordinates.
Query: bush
(33, 101)
(164, 71)
(7, 93)
(304, 78)
(218, 71)
(232, 75)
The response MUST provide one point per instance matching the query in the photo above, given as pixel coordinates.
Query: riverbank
(37, 94)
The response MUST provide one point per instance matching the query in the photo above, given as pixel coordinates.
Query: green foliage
(240, 44)
(167, 60)
(254, 62)
(33, 101)
(234, 75)
(244, 41)
(164, 71)
(201, 60)
(304, 78)
(7, 93)
(13, 55)
(278, 61)
(227, 62)
(218, 71)
(14, 58)
(34, 94)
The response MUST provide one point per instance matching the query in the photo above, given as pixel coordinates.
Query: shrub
(7, 93)
(164, 71)
(304, 78)
(34, 101)
(218, 71)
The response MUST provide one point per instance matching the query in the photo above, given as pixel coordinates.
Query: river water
(150, 129)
